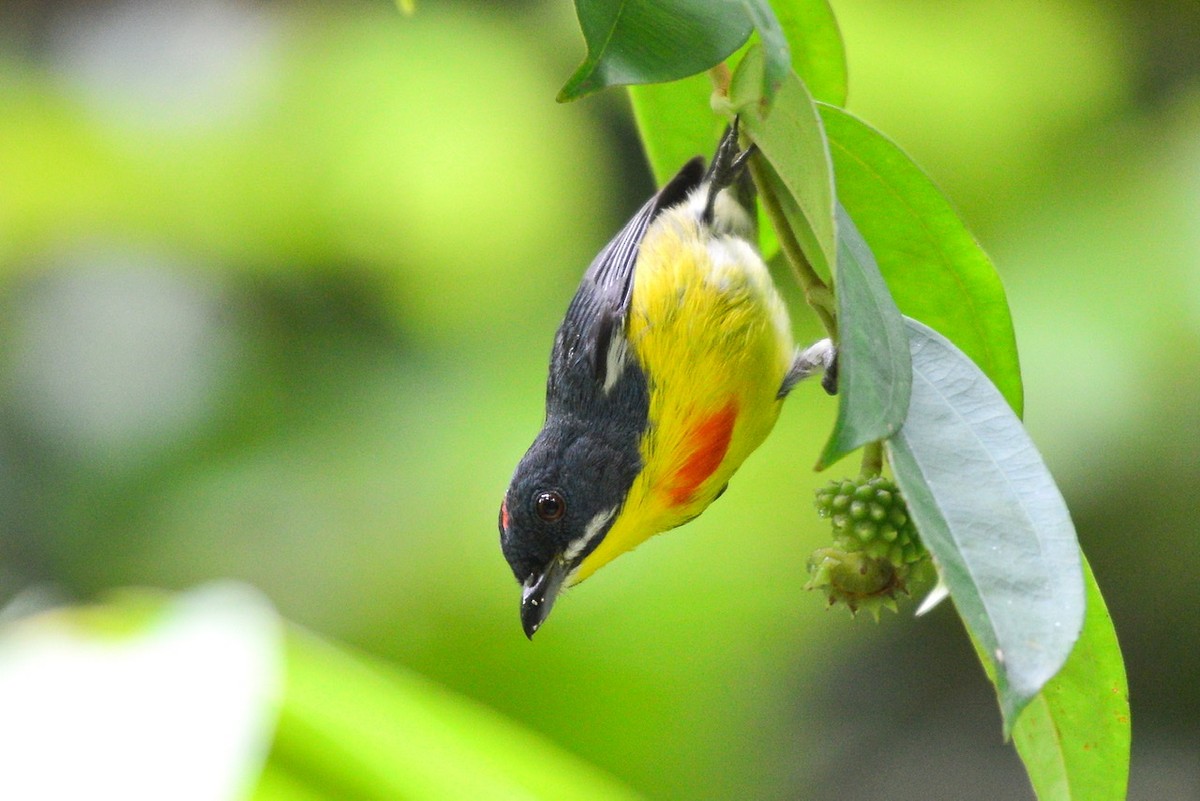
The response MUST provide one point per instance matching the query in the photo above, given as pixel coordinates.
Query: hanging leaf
(675, 119)
(993, 518)
(792, 141)
(675, 122)
(649, 41)
(1074, 736)
(815, 42)
(874, 367)
(777, 57)
(934, 267)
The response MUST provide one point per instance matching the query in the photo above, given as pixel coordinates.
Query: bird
(669, 368)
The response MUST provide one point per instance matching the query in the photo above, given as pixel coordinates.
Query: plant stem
(720, 77)
(816, 292)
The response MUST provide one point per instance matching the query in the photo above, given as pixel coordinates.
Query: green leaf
(777, 58)
(792, 141)
(676, 122)
(1074, 736)
(936, 270)
(874, 366)
(991, 515)
(355, 728)
(818, 53)
(650, 41)
(675, 119)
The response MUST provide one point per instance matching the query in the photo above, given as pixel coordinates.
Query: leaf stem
(872, 459)
(721, 77)
(816, 292)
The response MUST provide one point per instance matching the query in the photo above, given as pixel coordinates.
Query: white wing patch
(614, 360)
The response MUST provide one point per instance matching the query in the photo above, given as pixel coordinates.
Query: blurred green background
(278, 284)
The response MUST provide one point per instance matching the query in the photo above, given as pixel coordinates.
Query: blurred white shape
(182, 708)
(939, 593)
(117, 354)
(165, 63)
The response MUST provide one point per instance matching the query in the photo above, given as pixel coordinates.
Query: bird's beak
(539, 592)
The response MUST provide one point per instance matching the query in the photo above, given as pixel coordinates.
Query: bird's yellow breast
(708, 328)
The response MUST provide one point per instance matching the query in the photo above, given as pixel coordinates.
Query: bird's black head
(572, 482)
(564, 496)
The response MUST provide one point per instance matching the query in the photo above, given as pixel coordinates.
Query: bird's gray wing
(597, 312)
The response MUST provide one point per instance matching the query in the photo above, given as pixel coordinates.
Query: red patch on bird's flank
(504, 514)
(709, 441)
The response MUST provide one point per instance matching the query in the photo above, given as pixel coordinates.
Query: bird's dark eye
(550, 506)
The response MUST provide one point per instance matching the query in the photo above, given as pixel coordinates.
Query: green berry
(866, 511)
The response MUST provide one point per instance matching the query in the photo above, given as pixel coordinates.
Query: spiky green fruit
(875, 545)
(855, 579)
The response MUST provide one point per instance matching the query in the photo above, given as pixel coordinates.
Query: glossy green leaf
(675, 122)
(650, 41)
(1074, 736)
(792, 140)
(675, 119)
(874, 366)
(797, 224)
(936, 270)
(993, 518)
(358, 729)
(777, 58)
(815, 42)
